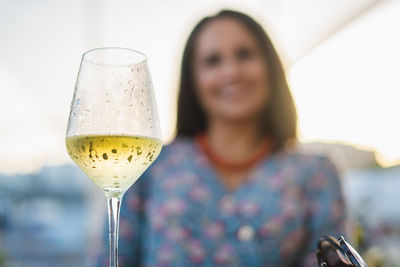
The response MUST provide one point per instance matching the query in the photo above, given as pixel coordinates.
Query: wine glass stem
(113, 203)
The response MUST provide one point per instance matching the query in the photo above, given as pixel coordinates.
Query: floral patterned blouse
(179, 213)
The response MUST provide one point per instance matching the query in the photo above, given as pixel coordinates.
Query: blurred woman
(231, 190)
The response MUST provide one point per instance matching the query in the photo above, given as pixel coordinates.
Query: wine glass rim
(85, 54)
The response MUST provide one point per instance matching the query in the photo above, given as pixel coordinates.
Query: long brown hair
(279, 116)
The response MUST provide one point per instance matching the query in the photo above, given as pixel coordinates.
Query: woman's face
(230, 73)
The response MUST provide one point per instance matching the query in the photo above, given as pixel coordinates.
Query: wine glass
(113, 131)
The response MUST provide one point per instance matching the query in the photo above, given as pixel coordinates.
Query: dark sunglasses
(333, 252)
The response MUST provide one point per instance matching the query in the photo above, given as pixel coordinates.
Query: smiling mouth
(234, 92)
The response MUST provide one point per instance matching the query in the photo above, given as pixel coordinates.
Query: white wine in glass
(113, 131)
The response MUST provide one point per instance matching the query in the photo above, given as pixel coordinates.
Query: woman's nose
(231, 69)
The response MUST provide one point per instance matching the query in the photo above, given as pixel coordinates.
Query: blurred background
(342, 60)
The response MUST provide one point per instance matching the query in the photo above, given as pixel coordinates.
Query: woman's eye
(212, 60)
(244, 54)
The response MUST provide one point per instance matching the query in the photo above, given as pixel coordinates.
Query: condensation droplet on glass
(129, 82)
(141, 103)
(75, 106)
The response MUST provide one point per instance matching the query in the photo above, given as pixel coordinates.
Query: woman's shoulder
(171, 158)
(179, 146)
(179, 143)
(304, 160)
(304, 168)
(175, 154)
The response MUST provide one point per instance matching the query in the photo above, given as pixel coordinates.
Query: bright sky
(346, 88)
